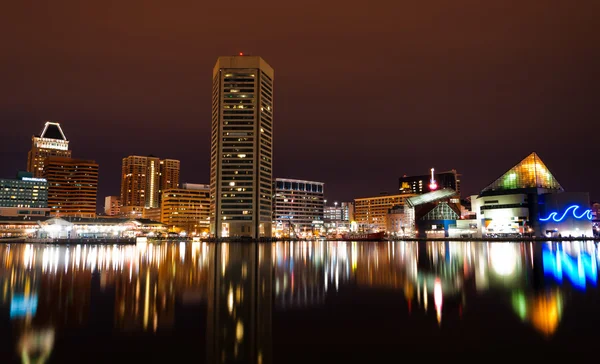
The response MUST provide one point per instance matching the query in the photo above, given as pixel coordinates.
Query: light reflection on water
(244, 289)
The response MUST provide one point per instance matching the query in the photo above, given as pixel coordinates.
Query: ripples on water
(304, 301)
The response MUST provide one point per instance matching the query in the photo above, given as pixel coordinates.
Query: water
(305, 301)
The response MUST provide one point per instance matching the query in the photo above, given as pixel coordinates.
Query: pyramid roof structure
(531, 172)
(53, 131)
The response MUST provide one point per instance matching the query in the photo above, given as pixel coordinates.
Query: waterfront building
(241, 156)
(527, 199)
(298, 207)
(422, 183)
(23, 196)
(370, 213)
(51, 142)
(144, 178)
(187, 209)
(112, 205)
(433, 214)
(72, 186)
(337, 218)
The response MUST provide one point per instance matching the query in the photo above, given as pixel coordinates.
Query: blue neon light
(587, 214)
(579, 270)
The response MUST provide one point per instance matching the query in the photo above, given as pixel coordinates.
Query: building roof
(53, 131)
(531, 172)
(429, 197)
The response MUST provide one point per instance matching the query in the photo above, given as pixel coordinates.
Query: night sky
(365, 91)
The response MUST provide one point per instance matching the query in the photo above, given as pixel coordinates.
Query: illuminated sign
(31, 179)
(573, 208)
(20, 305)
(432, 183)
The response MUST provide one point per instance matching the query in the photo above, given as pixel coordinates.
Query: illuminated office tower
(51, 142)
(144, 178)
(241, 147)
(72, 186)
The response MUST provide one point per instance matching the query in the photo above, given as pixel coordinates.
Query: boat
(364, 236)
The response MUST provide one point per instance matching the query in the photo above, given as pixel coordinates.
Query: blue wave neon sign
(573, 208)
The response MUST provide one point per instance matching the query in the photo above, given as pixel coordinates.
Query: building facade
(370, 213)
(187, 209)
(26, 195)
(241, 148)
(51, 142)
(338, 217)
(112, 205)
(527, 199)
(144, 178)
(420, 184)
(298, 207)
(72, 186)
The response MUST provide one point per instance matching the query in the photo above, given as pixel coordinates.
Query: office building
(370, 213)
(23, 196)
(112, 205)
(51, 142)
(72, 186)
(337, 218)
(298, 207)
(241, 147)
(187, 209)
(143, 179)
(422, 183)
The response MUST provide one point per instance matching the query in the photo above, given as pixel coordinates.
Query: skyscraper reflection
(47, 290)
(239, 308)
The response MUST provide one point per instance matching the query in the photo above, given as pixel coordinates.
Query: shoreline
(133, 241)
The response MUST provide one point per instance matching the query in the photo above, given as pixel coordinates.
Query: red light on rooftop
(241, 53)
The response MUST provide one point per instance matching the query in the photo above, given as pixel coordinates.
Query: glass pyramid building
(531, 172)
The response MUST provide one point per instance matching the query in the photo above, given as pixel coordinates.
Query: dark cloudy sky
(365, 91)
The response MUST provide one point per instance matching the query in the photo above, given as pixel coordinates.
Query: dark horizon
(363, 95)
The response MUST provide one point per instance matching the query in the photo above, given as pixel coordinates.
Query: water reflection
(140, 289)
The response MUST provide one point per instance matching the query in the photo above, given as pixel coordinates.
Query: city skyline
(493, 90)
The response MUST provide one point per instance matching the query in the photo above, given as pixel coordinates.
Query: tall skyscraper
(144, 178)
(241, 154)
(51, 142)
(72, 186)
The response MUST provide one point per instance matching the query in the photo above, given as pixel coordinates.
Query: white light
(503, 258)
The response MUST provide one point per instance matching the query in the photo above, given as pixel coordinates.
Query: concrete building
(112, 205)
(51, 142)
(72, 186)
(298, 207)
(151, 213)
(421, 184)
(370, 213)
(24, 196)
(241, 148)
(144, 178)
(187, 209)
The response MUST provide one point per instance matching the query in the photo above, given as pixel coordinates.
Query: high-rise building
(144, 178)
(186, 209)
(112, 205)
(51, 142)
(421, 184)
(241, 147)
(72, 186)
(23, 196)
(371, 213)
(298, 206)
